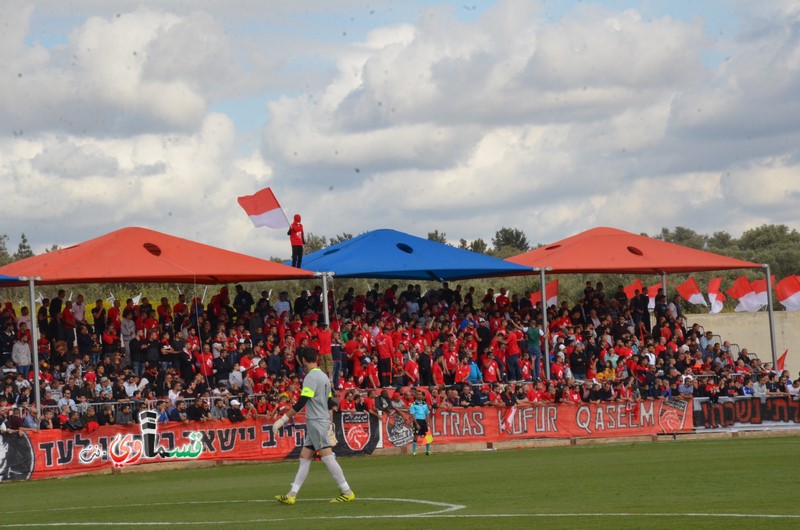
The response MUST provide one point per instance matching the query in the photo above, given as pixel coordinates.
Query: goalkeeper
(316, 398)
(420, 411)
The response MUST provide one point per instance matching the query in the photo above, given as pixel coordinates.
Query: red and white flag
(715, 296)
(550, 292)
(508, 419)
(630, 290)
(742, 290)
(780, 366)
(690, 292)
(263, 209)
(760, 288)
(652, 292)
(788, 292)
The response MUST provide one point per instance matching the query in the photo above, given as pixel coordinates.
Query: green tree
(479, 246)
(766, 236)
(24, 249)
(683, 236)
(510, 237)
(504, 252)
(439, 237)
(344, 236)
(721, 242)
(315, 242)
(5, 257)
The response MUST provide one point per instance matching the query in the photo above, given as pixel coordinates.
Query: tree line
(776, 245)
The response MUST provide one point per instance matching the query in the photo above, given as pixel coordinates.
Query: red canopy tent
(141, 255)
(609, 250)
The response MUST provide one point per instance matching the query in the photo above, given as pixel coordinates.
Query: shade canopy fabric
(142, 255)
(609, 250)
(395, 255)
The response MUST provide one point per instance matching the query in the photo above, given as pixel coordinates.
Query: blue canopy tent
(395, 255)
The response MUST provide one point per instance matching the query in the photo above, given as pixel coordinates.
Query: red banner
(53, 453)
(494, 424)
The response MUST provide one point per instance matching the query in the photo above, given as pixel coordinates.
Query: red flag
(782, 361)
(630, 290)
(715, 296)
(743, 291)
(551, 294)
(788, 292)
(263, 209)
(691, 292)
(760, 288)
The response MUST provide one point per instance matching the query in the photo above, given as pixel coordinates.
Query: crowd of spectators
(233, 359)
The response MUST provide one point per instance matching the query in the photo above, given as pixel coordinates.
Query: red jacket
(296, 234)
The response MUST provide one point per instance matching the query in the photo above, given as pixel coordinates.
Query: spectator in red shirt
(297, 239)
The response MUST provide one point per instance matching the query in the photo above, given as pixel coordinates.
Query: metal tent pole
(544, 324)
(35, 349)
(325, 313)
(771, 317)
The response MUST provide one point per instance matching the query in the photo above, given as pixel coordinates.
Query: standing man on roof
(297, 238)
(316, 397)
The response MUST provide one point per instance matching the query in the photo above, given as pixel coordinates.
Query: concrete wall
(751, 331)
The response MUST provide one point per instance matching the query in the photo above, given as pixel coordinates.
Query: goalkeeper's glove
(332, 437)
(280, 422)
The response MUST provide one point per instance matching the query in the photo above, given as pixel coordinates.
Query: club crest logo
(356, 429)
(672, 416)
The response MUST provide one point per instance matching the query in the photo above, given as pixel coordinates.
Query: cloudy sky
(549, 116)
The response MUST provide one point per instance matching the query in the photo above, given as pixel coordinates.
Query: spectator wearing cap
(235, 414)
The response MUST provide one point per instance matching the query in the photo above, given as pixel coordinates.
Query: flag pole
(774, 347)
(35, 349)
(544, 324)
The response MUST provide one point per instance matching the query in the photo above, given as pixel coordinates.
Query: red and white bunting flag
(630, 290)
(263, 209)
(788, 292)
(760, 288)
(508, 419)
(782, 361)
(550, 292)
(715, 296)
(743, 291)
(652, 291)
(690, 292)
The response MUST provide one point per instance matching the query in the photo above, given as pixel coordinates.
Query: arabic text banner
(53, 453)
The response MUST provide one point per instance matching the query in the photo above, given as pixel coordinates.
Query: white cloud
(604, 117)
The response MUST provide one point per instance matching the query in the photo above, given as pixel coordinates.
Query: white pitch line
(446, 507)
(437, 514)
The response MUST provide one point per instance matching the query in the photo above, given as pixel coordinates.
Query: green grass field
(650, 485)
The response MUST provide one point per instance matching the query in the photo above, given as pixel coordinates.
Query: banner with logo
(496, 424)
(43, 454)
(746, 412)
